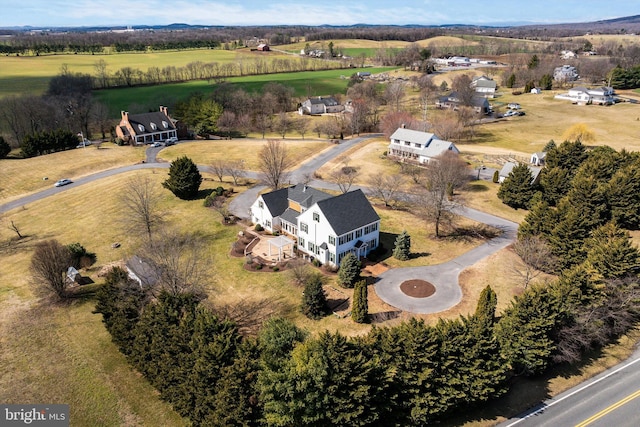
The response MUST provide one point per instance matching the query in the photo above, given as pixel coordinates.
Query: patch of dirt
(375, 269)
(417, 288)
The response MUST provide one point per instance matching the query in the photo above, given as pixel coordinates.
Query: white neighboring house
(421, 147)
(320, 105)
(484, 86)
(583, 96)
(538, 159)
(326, 227)
(566, 73)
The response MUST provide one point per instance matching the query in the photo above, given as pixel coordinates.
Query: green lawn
(305, 83)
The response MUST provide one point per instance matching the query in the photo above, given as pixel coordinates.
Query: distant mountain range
(629, 24)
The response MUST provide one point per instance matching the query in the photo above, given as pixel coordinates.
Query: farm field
(316, 83)
(31, 74)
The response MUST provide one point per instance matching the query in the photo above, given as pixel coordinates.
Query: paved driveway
(443, 276)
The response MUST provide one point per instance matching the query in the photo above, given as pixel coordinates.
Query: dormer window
(153, 126)
(141, 128)
(165, 124)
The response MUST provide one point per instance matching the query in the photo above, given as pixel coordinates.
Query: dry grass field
(206, 151)
(21, 176)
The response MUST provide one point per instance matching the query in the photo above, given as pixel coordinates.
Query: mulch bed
(417, 288)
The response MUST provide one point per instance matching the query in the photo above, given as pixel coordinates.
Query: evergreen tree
(533, 62)
(213, 348)
(327, 381)
(5, 148)
(568, 155)
(517, 190)
(611, 253)
(184, 178)
(496, 176)
(549, 146)
(623, 196)
(360, 308)
(314, 300)
(555, 182)
(162, 349)
(546, 82)
(540, 220)
(511, 81)
(235, 402)
(486, 308)
(349, 271)
(402, 247)
(120, 301)
(276, 340)
(525, 332)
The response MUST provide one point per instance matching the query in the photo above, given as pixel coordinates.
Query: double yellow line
(609, 409)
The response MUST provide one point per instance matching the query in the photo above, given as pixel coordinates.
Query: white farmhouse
(421, 147)
(326, 227)
(320, 105)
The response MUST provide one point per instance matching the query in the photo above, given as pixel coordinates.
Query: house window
(359, 233)
(341, 240)
(301, 242)
(373, 243)
(374, 226)
(407, 143)
(261, 205)
(332, 257)
(418, 145)
(304, 227)
(312, 247)
(267, 223)
(316, 217)
(332, 240)
(350, 237)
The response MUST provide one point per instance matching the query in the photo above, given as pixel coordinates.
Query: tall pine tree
(360, 308)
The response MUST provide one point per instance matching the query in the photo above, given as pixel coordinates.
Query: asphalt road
(610, 399)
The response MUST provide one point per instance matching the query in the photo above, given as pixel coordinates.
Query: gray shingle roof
(146, 119)
(278, 201)
(348, 211)
(403, 134)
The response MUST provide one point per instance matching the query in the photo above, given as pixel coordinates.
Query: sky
(78, 13)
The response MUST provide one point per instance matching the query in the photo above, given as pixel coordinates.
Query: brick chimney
(125, 115)
(164, 110)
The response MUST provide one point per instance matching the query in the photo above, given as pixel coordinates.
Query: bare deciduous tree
(394, 94)
(235, 169)
(443, 176)
(386, 187)
(49, 265)
(178, 263)
(283, 124)
(273, 163)
(218, 168)
(447, 126)
(141, 206)
(302, 126)
(344, 176)
(535, 258)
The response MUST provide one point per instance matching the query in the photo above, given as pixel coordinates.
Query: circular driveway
(443, 276)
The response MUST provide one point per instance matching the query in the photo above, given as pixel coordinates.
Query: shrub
(259, 267)
(258, 227)
(349, 271)
(314, 300)
(516, 92)
(80, 257)
(276, 268)
(496, 177)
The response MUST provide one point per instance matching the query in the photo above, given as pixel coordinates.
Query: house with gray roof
(138, 129)
(325, 227)
(419, 147)
(320, 105)
(453, 102)
(508, 168)
(484, 86)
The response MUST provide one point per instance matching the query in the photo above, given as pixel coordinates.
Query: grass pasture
(21, 176)
(315, 83)
(205, 152)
